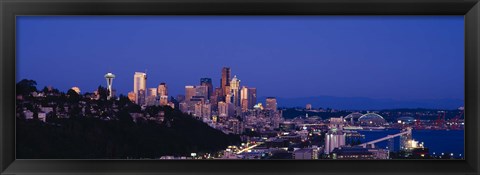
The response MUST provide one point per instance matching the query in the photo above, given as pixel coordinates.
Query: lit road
(249, 148)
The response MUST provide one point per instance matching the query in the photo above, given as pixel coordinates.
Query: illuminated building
(152, 92)
(225, 81)
(258, 106)
(228, 98)
(151, 98)
(271, 104)
(109, 77)
(235, 91)
(163, 100)
(141, 95)
(207, 82)
(162, 89)
(201, 91)
(76, 89)
(351, 153)
(132, 96)
(198, 110)
(335, 137)
(222, 109)
(235, 126)
(189, 92)
(139, 84)
(206, 110)
(252, 97)
(244, 103)
(244, 98)
(305, 153)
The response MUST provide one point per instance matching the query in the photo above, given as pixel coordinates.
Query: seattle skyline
(424, 70)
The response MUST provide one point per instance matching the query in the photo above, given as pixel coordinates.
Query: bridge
(388, 137)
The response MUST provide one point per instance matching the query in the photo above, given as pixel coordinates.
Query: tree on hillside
(25, 87)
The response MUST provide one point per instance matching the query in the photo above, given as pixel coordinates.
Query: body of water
(437, 141)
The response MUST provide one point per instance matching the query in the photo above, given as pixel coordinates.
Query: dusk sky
(388, 57)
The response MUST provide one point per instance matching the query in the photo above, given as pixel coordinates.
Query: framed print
(239, 87)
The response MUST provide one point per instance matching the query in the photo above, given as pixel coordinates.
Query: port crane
(455, 122)
(440, 122)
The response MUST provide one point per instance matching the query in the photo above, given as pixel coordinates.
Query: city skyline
(385, 78)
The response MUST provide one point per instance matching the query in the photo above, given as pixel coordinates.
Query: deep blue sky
(403, 58)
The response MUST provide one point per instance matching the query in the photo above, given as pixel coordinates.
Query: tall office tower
(151, 98)
(162, 89)
(271, 104)
(244, 103)
(142, 94)
(227, 91)
(252, 97)
(225, 81)
(109, 76)
(219, 94)
(163, 94)
(139, 84)
(201, 91)
(244, 98)
(152, 92)
(189, 92)
(214, 102)
(235, 91)
(207, 82)
(222, 109)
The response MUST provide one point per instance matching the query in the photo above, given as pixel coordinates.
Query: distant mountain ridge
(365, 103)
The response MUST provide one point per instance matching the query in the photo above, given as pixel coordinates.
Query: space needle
(109, 76)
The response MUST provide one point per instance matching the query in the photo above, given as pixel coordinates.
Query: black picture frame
(9, 9)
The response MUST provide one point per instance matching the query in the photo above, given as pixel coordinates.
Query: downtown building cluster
(231, 107)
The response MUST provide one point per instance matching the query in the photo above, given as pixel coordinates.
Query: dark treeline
(86, 137)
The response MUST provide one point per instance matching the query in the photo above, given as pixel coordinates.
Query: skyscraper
(271, 104)
(189, 92)
(235, 91)
(207, 82)
(139, 84)
(109, 77)
(151, 98)
(244, 98)
(163, 94)
(225, 81)
(162, 89)
(201, 91)
(252, 97)
(152, 92)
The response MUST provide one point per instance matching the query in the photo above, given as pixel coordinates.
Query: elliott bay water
(437, 141)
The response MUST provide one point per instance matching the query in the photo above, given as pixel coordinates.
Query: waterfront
(438, 141)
